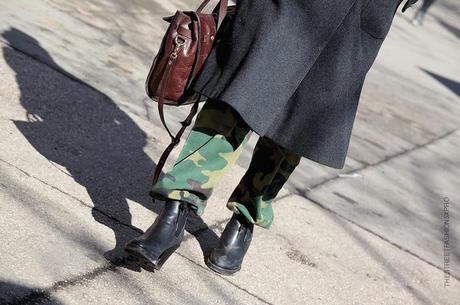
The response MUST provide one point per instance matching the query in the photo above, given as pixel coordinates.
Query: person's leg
(420, 15)
(270, 168)
(251, 202)
(426, 5)
(213, 145)
(215, 142)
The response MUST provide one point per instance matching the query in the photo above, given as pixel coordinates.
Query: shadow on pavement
(452, 85)
(452, 29)
(9, 292)
(392, 271)
(88, 134)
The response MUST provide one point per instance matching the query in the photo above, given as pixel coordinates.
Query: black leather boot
(227, 258)
(163, 237)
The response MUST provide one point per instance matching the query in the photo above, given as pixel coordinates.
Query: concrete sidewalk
(78, 142)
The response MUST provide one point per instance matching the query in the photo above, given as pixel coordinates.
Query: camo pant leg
(215, 142)
(270, 167)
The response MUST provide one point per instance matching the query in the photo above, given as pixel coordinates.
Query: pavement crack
(80, 201)
(40, 295)
(43, 294)
(375, 234)
(370, 165)
(305, 195)
(227, 280)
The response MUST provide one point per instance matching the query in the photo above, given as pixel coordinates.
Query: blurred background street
(79, 141)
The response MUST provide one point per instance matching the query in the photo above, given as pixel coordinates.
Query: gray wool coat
(294, 69)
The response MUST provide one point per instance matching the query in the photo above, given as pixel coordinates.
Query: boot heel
(162, 238)
(165, 255)
(146, 259)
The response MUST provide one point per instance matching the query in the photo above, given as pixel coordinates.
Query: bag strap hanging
(175, 139)
(222, 5)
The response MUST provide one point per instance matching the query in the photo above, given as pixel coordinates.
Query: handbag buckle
(178, 42)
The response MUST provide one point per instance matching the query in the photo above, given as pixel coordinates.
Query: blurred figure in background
(420, 15)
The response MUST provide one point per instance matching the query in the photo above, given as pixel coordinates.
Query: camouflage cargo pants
(213, 145)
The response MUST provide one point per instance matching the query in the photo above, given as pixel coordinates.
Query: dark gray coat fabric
(294, 69)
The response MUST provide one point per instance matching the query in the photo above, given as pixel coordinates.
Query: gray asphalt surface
(79, 141)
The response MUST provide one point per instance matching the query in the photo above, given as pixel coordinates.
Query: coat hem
(262, 133)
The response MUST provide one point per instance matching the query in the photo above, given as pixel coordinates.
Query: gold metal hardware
(178, 42)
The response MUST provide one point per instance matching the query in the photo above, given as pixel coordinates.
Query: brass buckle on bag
(178, 44)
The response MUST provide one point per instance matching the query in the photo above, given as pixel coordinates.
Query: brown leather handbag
(184, 48)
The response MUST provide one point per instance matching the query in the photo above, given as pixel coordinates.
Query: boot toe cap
(224, 260)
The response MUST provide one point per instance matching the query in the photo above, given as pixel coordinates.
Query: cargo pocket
(377, 16)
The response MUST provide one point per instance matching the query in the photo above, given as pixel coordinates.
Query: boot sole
(144, 259)
(220, 270)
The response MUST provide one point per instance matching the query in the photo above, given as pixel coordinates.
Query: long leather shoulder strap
(223, 4)
(175, 140)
